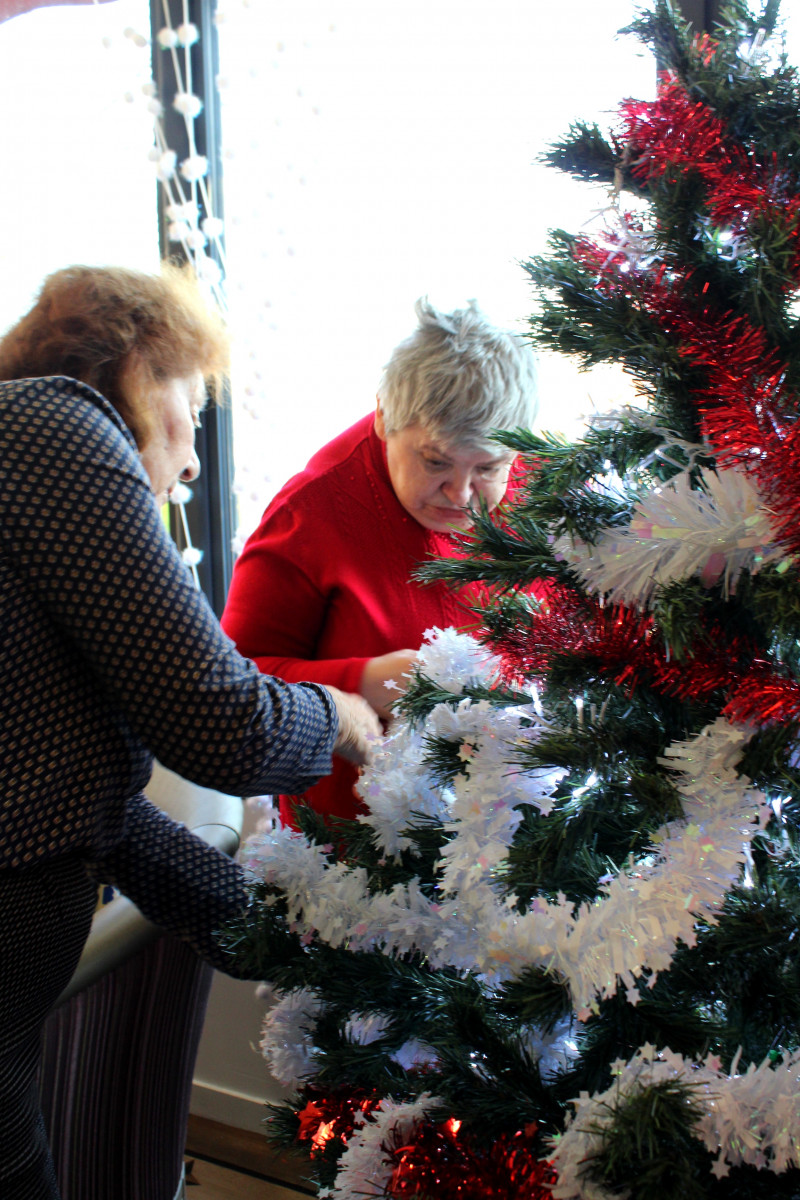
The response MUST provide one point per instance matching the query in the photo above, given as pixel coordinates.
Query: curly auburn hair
(113, 329)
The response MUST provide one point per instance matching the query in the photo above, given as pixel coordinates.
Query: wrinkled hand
(384, 680)
(359, 728)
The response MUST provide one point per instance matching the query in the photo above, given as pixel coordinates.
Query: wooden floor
(210, 1181)
(232, 1164)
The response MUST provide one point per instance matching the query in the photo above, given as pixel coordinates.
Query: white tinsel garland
(287, 1041)
(633, 926)
(365, 1169)
(679, 530)
(396, 786)
(451, 660)
(598, 947)
(553, 1050)
(751, 1119)
(624, 237)
(365, 1028)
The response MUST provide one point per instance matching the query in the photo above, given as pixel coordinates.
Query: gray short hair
(459, 376)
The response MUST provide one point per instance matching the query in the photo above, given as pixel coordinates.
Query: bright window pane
(77, 184)
(376, 152)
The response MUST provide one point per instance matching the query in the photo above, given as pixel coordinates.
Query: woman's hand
(359, 728)
(384, 680)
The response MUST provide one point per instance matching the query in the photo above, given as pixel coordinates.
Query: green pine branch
(652, 1129)
(587, 155)
(499, 557)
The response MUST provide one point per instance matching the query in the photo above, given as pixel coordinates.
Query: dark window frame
(701, 13)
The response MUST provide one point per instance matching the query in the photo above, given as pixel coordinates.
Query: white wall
(231, 1080)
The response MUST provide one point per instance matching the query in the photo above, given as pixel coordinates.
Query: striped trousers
(45, 917)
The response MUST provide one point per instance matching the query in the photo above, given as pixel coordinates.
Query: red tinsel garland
(623, 646)
(330, 1116)
(763, 696)
(748, 419)
(676, 133)
(747, 415)
(704, 47)
(441, 1161)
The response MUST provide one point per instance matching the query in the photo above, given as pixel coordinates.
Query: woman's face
(169, 455)
(438, 482)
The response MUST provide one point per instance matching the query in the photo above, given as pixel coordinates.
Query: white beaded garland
(188, 105)
(194, 167)
(165, 167)
(187, 34)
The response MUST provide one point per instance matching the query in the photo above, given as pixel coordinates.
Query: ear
(380, 424)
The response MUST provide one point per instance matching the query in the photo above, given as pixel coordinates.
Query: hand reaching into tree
(384, 680)
(359, 728)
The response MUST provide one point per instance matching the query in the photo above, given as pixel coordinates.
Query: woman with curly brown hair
(110, 656)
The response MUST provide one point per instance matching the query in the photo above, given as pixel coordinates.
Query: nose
(458, 490)
(192, 469)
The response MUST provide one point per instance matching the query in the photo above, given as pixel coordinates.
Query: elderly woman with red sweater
(323, 590)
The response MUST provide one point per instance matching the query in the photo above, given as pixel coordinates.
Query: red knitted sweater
(323, 584)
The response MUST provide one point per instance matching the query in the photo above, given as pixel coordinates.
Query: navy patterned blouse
(109, 655)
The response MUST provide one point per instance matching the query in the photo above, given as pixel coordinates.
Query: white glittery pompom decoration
(182, 212)
(364, 1028)
(180, 494)
(207, 269)
(188, 34)
(194, 167)
(212, 227)
(138, 39)
(165, 167)
(167, 39)
(450, 660)
(188, 105)
(178, 231)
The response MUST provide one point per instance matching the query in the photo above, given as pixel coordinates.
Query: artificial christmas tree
(560, 955)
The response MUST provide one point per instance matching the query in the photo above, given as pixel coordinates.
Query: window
(77, 184)
(378, 152)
